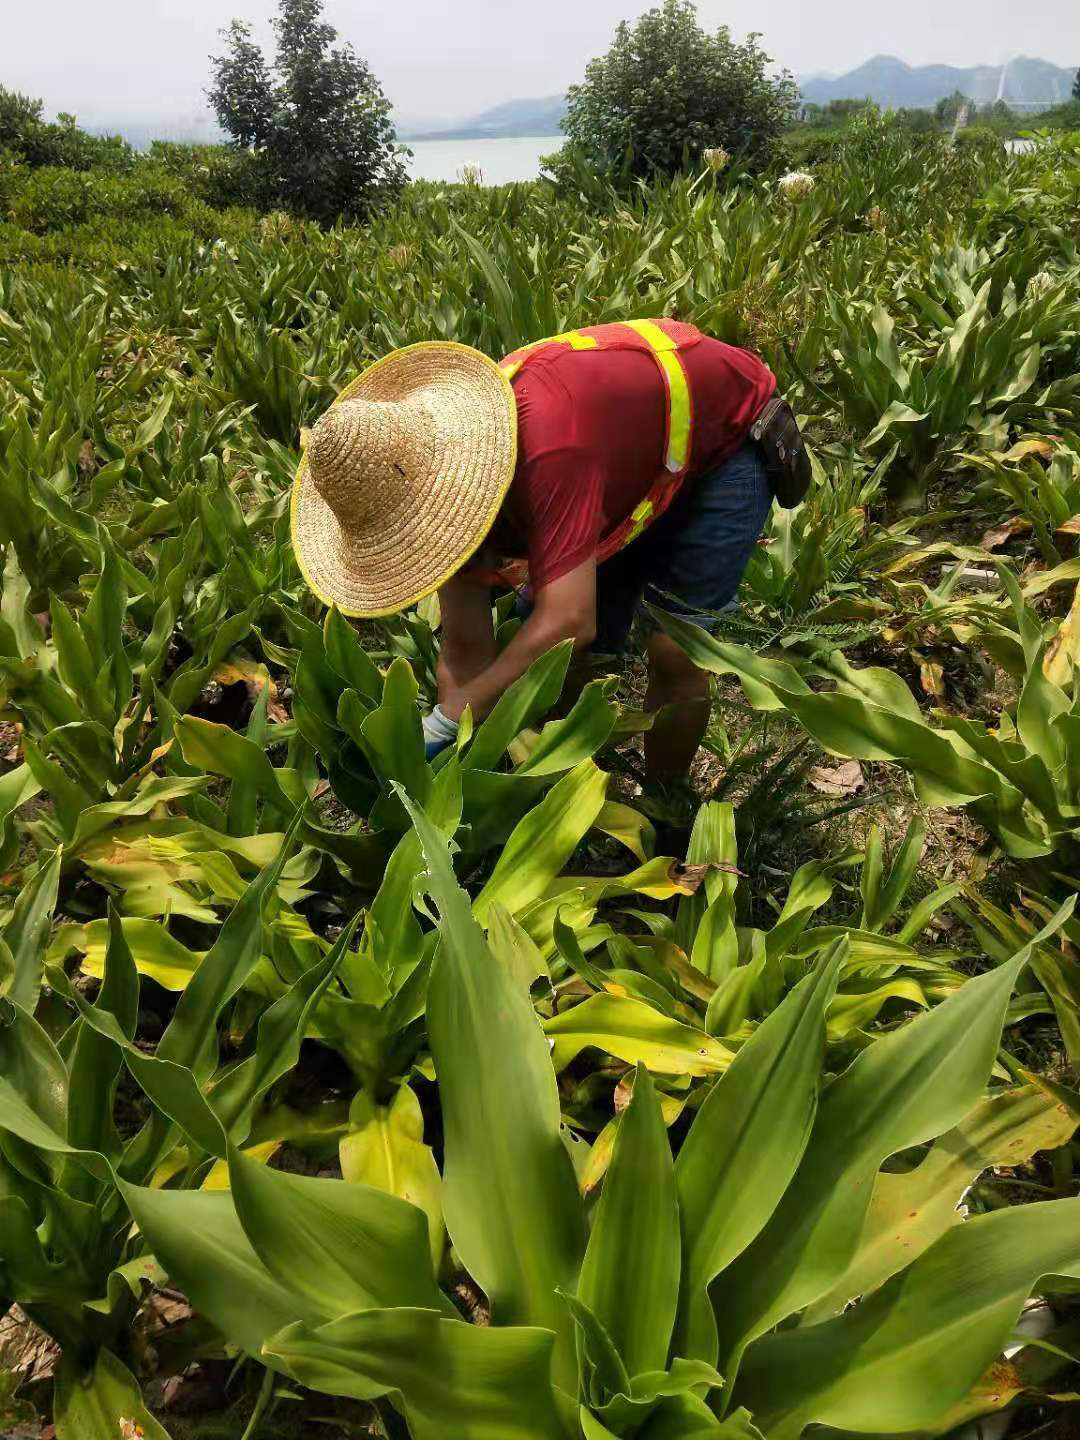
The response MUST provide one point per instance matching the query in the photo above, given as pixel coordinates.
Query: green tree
(1076, 86)
(35, 142)
(948, 109)
(667, 90)
(317, 120)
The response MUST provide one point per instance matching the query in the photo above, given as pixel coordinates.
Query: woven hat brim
(407, 553)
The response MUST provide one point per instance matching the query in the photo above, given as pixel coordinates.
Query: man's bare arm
(468, 635)
(563, 610)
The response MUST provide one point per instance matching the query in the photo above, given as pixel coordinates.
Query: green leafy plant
(689, 1263)
(69, 1256)
(1016, 780)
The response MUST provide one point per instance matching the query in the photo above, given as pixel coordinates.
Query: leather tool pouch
(786, 460)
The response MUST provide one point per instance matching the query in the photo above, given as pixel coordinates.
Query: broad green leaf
(95, 1404)
(745, 1145)
(528, 698)
(391, 735)
(629, 826)
(712, 842)
(880, 903)
(344, 1247)
(510, 943)
(31, 1066)
(474, 1383)
(633, 1031)
(196, 1236)
(243, 807)
(630, 1274)
(602, 1370)
(910, 1209)
(685, 1417)
(282, 1029)
(16, 787)
(95, 1062)
(190, 1037)
(901, 1358)
(22, 1120)
(564, 743)
(222, 751)
(347, 656)
(544, 840)
(27, 931)
(385, 1148)
(908, 1087)
(509, 1194)
(76, 666)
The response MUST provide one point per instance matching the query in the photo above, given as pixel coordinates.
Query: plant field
(494, 1098)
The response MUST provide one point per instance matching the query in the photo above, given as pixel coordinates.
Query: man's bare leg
(679, 690)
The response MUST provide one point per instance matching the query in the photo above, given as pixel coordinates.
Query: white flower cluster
(1040, 284)
(796, 186)
(471, 175)
(717, 159)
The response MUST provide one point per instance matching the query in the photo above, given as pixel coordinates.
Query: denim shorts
(692, 559)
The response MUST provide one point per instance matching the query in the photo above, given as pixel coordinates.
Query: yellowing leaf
(385, 1148)
(1063, 652)
(218, 1178)
(633, 1031)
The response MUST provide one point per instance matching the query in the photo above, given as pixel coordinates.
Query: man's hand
(563, 610)
(439, 732)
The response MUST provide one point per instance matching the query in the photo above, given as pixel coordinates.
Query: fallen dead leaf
(1000, 534)
(87, 458)
(253, 677)
(1070, 527)
(692, 877)
(25, 1349)
(932, 679)
(845, 779)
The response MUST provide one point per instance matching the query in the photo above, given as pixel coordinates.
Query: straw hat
(403, 476)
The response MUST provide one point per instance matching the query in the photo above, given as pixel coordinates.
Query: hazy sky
(455, 57)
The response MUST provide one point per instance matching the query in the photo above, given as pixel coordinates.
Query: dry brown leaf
(845, 779)
(932, 679)
(1024, 448)
(1071, 526)
(25, 1349)
(87, 458)
(253, 677)
(1063, 652)
(690, 878)
(995, 538)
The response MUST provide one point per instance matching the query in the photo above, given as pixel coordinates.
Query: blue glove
(439, 732)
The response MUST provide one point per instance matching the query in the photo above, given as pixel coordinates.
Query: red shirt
(591, 433)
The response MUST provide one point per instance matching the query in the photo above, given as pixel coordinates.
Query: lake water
(500, 161)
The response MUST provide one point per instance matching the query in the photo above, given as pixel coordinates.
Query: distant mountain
(893, 84)
(514, 117)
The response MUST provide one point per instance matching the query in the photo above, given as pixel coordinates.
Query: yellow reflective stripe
(573, 338)
(576, 340)
(667, 357)
(678, 446)
(650, 331)
(640, 515)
